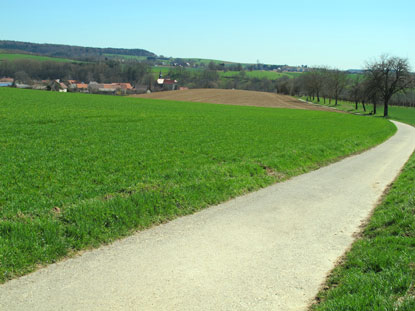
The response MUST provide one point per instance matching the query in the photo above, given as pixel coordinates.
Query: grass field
(5, 56)
(403, 114)
(81, 170)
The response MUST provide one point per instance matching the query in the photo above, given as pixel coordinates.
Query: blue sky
(341, 34)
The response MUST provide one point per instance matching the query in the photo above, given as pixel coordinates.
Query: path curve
(268, 250)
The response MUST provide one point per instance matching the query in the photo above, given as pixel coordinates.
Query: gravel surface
(268, 250)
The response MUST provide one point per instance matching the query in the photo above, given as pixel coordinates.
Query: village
(118, 88)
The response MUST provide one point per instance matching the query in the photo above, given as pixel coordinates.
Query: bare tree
(314, 82)
(355, 90)
(389, 75)
(337, 81)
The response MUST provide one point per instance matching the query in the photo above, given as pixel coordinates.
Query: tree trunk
(324, 98)
(386, 109)
(335, 102)
(374, 107)
(356, 103)
(364, 107)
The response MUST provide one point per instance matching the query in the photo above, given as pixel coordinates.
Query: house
(124, 86)
(81, 87)
(166, 84)
(58, 86)
(23, 86)
(71, 85)
(43, 85)
(110, 88)
(6, 82)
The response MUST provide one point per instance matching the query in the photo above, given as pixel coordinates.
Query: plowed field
(235, 97)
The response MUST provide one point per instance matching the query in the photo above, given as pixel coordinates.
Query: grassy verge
(378, 273)
(79, 170)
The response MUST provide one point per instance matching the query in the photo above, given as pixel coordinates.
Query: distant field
(5, 56)
(207, 61)
(128, 57)
(80, 170)
(272, 75)
(164, 70)
(250, 74)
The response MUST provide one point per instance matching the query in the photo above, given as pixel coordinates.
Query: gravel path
(268, 250)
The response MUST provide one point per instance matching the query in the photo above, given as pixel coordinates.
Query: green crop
(79, 170)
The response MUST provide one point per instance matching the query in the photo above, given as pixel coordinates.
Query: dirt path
(268, 250)
(235, 97)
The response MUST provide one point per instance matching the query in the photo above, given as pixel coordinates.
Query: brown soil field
(235, 97)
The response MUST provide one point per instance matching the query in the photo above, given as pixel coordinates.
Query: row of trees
(385, 81)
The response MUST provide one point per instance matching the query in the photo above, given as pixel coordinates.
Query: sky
(339, 34)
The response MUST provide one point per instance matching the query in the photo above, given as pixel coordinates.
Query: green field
(80, 170)
(207, 61)
(127, 57)
(164, 70)
(11, 57)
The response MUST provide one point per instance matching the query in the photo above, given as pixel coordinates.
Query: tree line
(70, 51)
(385, 81)
(26, 71)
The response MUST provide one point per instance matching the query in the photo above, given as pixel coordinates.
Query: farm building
(6, 82)
(76, 86)
(81, 87)
(167, 84)
(110, 88)
(41, 85)
(58, 86)
(23, 85)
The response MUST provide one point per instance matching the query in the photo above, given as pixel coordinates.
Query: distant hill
(69, 51)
